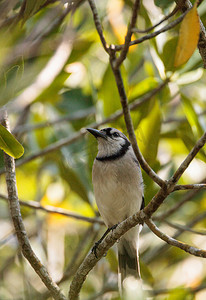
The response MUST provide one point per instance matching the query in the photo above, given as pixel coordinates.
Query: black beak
(96, 133)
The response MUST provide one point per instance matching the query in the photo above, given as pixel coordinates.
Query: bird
(119, 193)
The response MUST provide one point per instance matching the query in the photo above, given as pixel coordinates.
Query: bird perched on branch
(118, 189)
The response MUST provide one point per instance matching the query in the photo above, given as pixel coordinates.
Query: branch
(130, 129)
(20, 229)
(181, 227)
(74, 117)
(184, 187)
(153, 34)
(125, 48)
(156, 252)
(187, 197)
(91, 260)
(169, 185)
(159, 23)
(171, 241)
(56, 210)
(98, 24)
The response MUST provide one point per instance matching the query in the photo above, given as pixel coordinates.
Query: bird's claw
(94, 248)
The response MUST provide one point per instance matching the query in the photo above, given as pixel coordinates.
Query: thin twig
(130, 129)
(169, 185)
(182, 227)
(156, 252)
(98, 24)
(171, 241)
(187, 197)
(159, 23)
(184, 187)
(153, 34)
(23, 240)
(125, 48)
(74, 117)
(56, 210)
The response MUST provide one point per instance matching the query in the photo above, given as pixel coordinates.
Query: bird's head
(111, 142)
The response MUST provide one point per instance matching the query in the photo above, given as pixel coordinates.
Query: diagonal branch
(128, 37)
(130, 128)
(98, 24)
(23, 240)
(171, 241)
(159, 23)
(153, 34)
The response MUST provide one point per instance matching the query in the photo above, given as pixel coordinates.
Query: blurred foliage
(167, 126)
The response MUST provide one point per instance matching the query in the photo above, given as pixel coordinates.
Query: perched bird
(118, 190)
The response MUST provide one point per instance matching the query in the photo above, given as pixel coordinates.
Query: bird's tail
(128, 258)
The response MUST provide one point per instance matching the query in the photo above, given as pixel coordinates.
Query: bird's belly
(116, 200)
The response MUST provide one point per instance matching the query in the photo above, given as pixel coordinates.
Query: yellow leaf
(188, 37)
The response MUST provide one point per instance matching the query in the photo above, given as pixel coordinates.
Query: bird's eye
(115, 134)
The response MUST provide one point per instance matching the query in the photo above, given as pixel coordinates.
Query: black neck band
(117, 155)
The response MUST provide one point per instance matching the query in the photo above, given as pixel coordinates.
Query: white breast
(118, 188)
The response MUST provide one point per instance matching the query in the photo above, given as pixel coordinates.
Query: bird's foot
(95, 247)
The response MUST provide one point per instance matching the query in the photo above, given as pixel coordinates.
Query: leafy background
(55, 79)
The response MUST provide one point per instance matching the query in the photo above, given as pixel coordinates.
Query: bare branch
(184, 187)
(125, 48)
(156, 252)
(98, 24)
(153, 34)
(74, 117)
(187, 197)
(20, 229)
(169, 185)
(56, 210)
(159, 23)
(181, 227)
(171, 241)
(130, 129)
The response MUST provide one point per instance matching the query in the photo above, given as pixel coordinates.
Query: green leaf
(108, 93)
(72, 178)
(191, 116)
(148, 133)
(9, 144)
(168, 54)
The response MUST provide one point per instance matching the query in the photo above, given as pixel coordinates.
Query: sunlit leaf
(192, 116)
(168, 54)
(73, 180)
(9, 144)
(108, 93)
(148, 133)
(188, 37)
